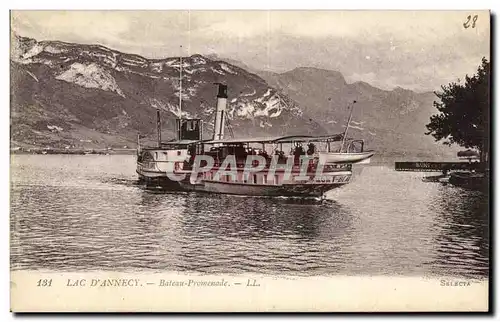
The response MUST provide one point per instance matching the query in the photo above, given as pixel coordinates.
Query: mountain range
(89, 96)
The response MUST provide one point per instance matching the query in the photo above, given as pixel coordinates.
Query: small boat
(470, 180)
(444, 179)
(439, 178)
(345, 157)
(354, 152)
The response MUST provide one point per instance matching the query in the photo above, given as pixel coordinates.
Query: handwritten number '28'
(467, 23)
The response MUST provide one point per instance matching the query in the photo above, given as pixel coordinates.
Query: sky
(418, 50)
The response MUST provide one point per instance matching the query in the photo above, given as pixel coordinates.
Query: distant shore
(379, 157)
(126, 151)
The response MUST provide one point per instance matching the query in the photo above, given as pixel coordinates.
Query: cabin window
(254, 178)
(178, 152)
(156, 155)
(265, 178)
(228, 178)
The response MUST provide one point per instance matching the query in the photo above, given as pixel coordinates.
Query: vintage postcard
(249, 161)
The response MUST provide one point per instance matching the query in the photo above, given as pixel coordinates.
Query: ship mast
(347, 126)
(180, 87)
(179, 117)
(158, 127)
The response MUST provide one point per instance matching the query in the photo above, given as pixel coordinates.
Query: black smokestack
(220, 112)
(222, 90)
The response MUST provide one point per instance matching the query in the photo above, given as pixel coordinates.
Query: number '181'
(44, 282)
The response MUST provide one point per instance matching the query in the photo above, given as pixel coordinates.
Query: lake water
(79, 213)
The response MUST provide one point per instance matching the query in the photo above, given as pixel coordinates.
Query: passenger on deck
(297, 152)
(192, 149)
(192, 153)
(280, 154)
(240, 152)
(263, 153)
(311, 148)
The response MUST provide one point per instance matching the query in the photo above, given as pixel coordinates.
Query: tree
(464, 112)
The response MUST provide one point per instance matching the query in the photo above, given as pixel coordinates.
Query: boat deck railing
(295, 167)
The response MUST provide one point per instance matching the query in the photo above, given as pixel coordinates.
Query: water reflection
(463, 236)
(247, 217)
(218, 234)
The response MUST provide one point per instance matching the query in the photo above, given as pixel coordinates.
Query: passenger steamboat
(298, 165)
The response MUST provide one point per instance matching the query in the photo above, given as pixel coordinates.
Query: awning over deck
(279, 139)
(179, 142)
(173, 144)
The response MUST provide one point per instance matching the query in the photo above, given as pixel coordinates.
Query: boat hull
(156, 179)
(285, 190)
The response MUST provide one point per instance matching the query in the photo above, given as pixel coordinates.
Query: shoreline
(74, 151)
(391, 156)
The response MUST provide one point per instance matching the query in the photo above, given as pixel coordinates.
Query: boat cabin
(167, 155)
